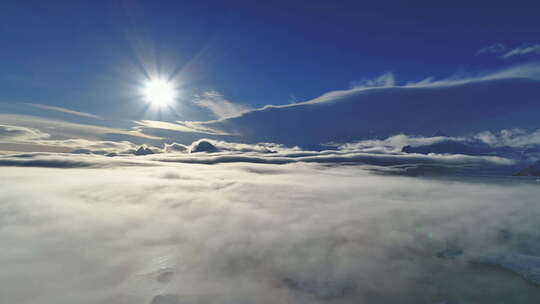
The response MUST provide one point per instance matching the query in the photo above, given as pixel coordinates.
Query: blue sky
(86, 56)
(379, 68)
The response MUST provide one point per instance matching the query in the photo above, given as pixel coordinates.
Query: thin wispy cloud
(496, 48)
(218, 105)
(64, 110)
(385, 80)
(63, 129)
(522, 51)
(503, 51)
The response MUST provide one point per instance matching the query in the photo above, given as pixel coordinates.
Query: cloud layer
(137, 230)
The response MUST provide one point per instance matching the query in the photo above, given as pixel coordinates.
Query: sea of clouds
(396, 193)
(255, 226)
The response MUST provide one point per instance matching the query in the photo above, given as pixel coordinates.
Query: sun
(159, 92)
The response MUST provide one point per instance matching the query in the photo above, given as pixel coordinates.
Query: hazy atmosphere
(229, 152)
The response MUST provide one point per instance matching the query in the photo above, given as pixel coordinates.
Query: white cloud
(511, 138)
(394, 143)
(256, 233)
(524, 50)
(515, 138)
(388, 81)
(218, 105)
(499, 48)
(242, 147)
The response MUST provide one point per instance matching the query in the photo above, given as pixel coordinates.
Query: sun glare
(159, 92)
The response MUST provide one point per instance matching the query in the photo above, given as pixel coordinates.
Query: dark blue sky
(86, 55)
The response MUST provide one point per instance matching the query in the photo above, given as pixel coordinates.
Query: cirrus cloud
(523, 50)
